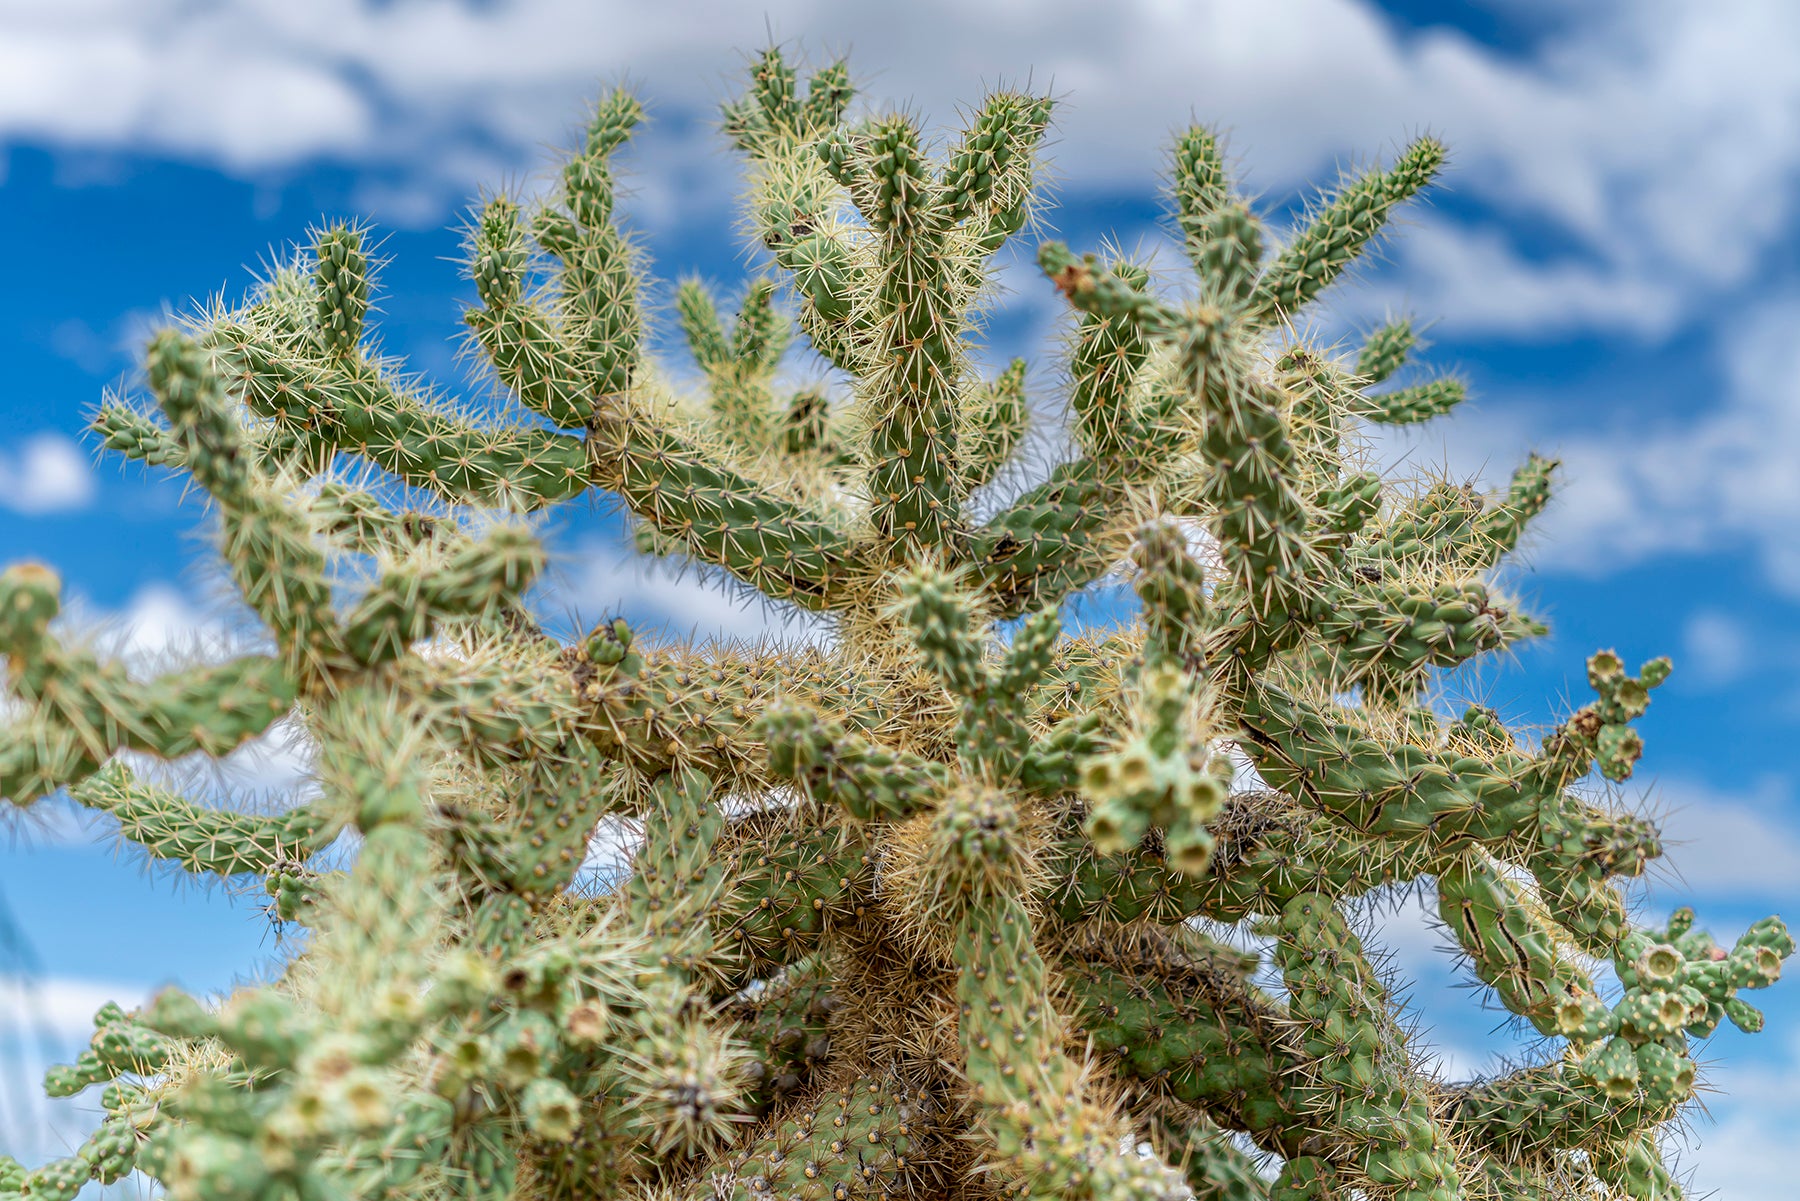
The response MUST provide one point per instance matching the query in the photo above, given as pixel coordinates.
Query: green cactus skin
(918, 913)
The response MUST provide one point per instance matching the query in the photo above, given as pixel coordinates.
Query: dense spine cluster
(936, 908)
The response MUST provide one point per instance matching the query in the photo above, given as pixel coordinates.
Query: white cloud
(597, 577)
(60, 1009)
(1649, 138)
(47, 473)
(1717, 477)
(1726, 845)
(1717, 648)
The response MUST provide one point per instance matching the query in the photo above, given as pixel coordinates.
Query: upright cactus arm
(528, 346)
(992, 735)
(994, 425)
(1071, 529)
(909, 401)
(1359, 1078)
(1340, 231)
(599, 278)
(974, 870)
(341, 281)
(737, 367)
(1200, 186)
(792, 197)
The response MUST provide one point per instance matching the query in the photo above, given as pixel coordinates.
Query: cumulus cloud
(46, 473)
(1647, 138)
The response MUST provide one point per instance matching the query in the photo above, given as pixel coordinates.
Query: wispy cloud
(1726, 845)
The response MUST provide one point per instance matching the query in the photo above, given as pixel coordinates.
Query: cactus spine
(916, 913)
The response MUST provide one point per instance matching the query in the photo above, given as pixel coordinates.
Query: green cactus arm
(1456, 527)
(524, 342)
(1511, 945)
(1635, 1169)
(783, 548)
(791, 198)
(1551, 1107)
(553, 808)
(356, 406)
(761, 334)
(364, 525)
(832, 764)
(1200, 186)
(1360, 1076)
(267, 544)
(498, 702)
(1385, 351)
(833, 1144)
(992, 737)
(908, 397)
(599, 278)
(1340, 231)
(1050, 542)
(1386, 637)
(200, 839)
(994, 425)
(1415, 403)
(738, 369)
(132, 434)
(341, 280)
(1032, 1104)
(82, 711)
(470, 579)
(1001, 138)
(1256, 514)
(1071, 529)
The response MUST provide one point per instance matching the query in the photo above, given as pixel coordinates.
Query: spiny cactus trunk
(921, 913)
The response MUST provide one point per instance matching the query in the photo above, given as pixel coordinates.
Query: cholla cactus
(932, 911)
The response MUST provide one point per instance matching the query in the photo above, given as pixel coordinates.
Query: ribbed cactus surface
(942, 906)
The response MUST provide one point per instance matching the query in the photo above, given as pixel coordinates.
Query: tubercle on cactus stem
(919, 911)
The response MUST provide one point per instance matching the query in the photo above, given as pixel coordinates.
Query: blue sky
(1614, 264)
